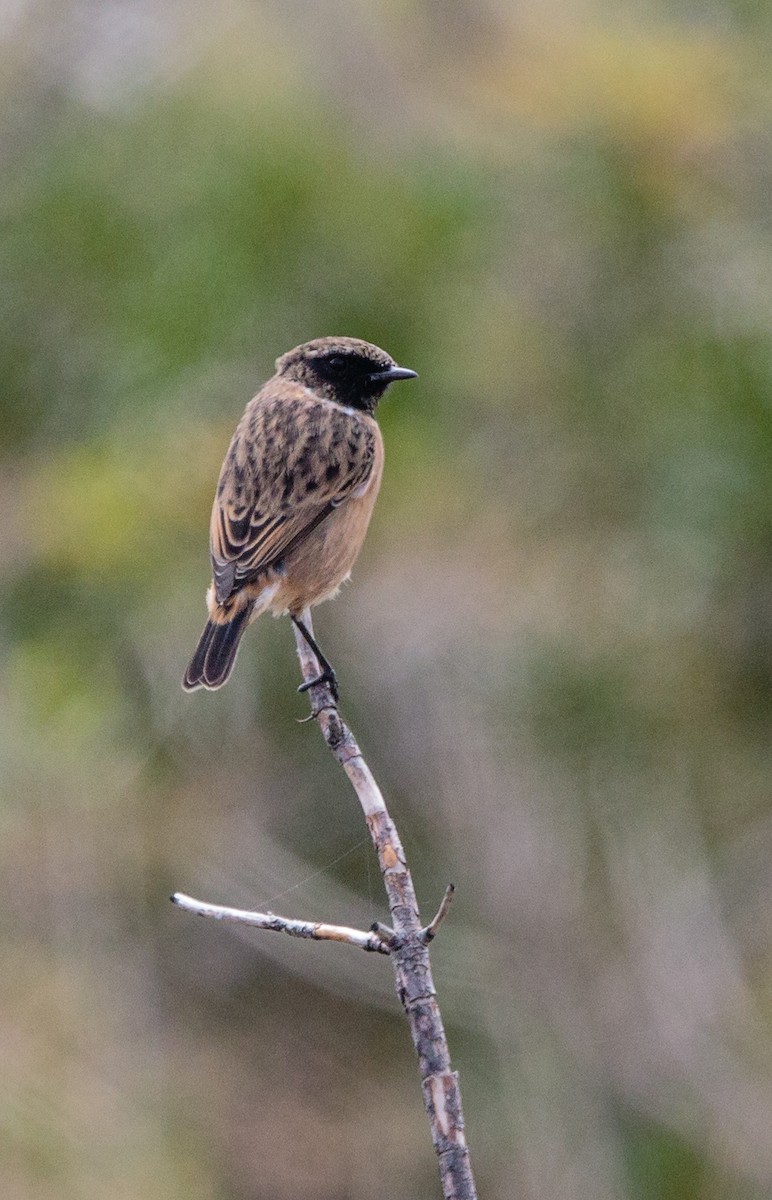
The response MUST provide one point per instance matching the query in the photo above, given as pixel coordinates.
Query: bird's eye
(336, 362)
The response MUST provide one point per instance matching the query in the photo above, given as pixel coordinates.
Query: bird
(294, 498)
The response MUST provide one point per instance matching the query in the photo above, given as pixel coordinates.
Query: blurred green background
(557, 649)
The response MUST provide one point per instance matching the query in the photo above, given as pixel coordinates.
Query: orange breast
(314, 571)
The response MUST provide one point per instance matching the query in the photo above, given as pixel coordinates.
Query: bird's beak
(392, 374)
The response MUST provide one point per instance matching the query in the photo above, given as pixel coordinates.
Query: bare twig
(315, 930)
(409, 949)
(406, 943)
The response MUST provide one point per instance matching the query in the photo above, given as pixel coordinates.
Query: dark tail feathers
(215, 654)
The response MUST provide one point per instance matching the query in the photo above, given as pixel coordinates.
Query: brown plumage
(295, 495)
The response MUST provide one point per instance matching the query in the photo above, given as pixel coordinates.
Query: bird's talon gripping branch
(327, 677)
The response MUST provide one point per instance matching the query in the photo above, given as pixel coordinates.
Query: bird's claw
(327, 677)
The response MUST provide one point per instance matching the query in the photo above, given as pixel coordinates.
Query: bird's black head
(346, 370)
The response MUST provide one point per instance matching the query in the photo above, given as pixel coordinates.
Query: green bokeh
(557, 649)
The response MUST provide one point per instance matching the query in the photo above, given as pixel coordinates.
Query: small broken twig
(429, 932)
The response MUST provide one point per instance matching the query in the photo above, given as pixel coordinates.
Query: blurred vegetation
(557, 650)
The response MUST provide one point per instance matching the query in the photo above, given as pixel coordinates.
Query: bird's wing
(291, 463)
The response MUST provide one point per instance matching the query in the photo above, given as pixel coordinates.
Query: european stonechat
(295, 496)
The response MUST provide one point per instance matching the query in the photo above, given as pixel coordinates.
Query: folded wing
(290, 464)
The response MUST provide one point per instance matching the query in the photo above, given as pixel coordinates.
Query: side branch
(316, 930)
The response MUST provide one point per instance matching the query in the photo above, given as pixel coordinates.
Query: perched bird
(295, 496)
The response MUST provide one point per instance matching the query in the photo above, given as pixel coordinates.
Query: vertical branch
(408, 943)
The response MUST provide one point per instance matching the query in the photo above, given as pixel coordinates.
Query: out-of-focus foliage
(557, 650)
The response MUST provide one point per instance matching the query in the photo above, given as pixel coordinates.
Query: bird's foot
(327, 676)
